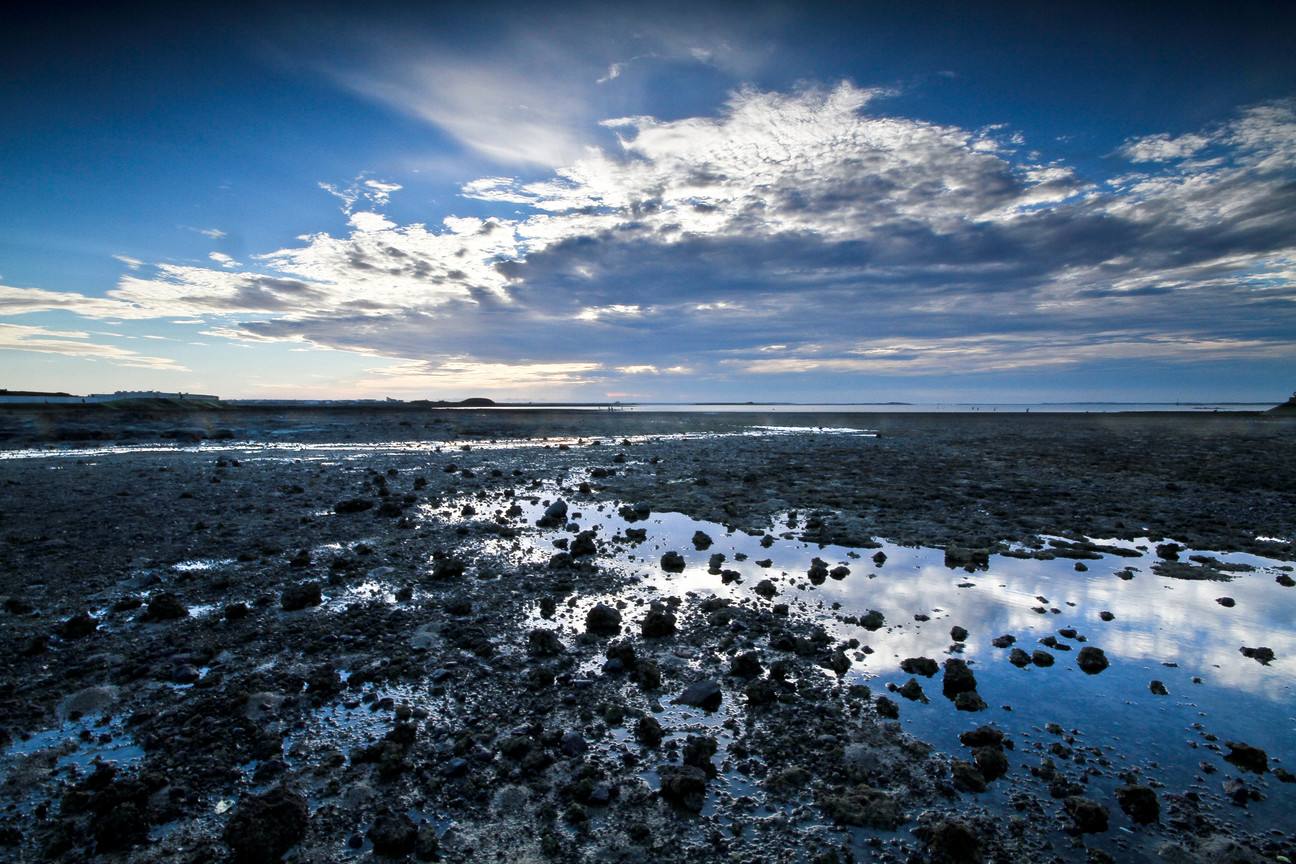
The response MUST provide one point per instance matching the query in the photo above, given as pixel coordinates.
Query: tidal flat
(344, 635)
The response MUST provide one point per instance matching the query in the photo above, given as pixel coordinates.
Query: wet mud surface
(346, 636)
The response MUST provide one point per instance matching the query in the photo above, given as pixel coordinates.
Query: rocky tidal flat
(581, 636)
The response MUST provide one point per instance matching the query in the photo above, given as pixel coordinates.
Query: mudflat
(401, 632)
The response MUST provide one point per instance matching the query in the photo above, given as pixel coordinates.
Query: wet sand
(361, 592)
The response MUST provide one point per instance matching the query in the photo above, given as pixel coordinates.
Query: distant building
(148, 394)
(36, 397)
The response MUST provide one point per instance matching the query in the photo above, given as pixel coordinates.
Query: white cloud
(751, 239)
(72, 343)
(466, 373)
(22, 301)
(222, 259)
(1005, 353)
(615, 311)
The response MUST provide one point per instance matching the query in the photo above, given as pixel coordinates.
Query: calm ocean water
(952, 407)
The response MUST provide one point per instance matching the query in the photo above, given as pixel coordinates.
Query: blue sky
(796, 202)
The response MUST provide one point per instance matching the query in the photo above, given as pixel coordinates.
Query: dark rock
(958, 677)
(912, 691)
(658, 622)
(967, 777)
(583, 545)
(872, 620)
(982, 736)
(746, 665)
(165, 606)
(701, 541)
(673, 562)
(1139, 803)
(955, 842)
(393, 834)
(301, 595)
(863, 807)
(573, 744)
(837, 661)
(1158, 689)
(1284, 580)
(1003, 641)
(78, 626)
(886, 708)
(969, 700)
(555, 515)
(969, 559)
(648, 731)
(1091, 660)
(353, 505)
(765, 588)
(1240, 793)
(1247, 757)
(1262, 655)
(648, 673)
(684, 785)
(544, 643)
(427, 846)
(924, 666)
(1106, 616)
(264, 827)
(818, 572)
(698, 750)
(762, 691)
(958, 634)
(1041, 658)
(1020, 658)
(185, 673)
(1226, 602)
(705, 694)
(623, 650)
(1089, 816)
(990, 761)
(456, 767)
(603, 619)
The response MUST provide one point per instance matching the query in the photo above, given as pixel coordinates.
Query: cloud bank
(793, 233)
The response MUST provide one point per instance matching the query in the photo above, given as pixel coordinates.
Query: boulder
(955, 842)
(165, 606)
(658, 622)
(603, 619)
(1139, 803)
(924, 666)
(705, 694)
(863, 807)
(301, 595)
(1089, 816)
(1247, 757)
(264, 827)
(684, 785)
(958, 677)
(393, 834)
(1092, 660)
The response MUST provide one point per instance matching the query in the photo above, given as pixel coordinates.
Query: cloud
(23, 301)
(374, 193)
(21, 337)
(791, 232)
(531, 95)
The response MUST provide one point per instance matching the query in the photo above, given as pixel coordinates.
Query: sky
(832, 202)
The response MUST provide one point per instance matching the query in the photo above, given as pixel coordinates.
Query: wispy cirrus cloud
(74, 343)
